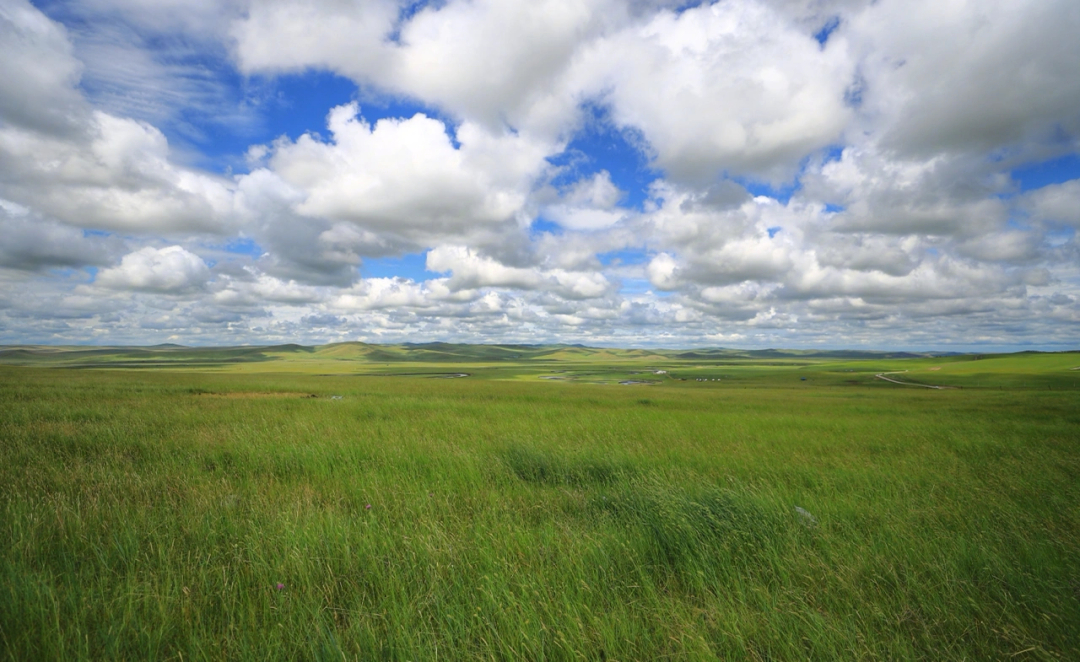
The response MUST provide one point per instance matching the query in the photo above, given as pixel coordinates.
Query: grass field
(200, 504)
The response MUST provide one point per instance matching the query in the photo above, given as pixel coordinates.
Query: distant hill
(170, 354)
(154, 356)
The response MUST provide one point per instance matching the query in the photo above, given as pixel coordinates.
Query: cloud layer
(744, 172)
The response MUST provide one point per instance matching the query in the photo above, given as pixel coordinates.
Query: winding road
(882, 375)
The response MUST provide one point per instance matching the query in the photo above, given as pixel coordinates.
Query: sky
(889, 174)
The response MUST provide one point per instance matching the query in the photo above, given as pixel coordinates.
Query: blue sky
(748, 173)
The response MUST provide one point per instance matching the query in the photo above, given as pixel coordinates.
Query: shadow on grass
(694, 527)
(547, 468)
(680, 528)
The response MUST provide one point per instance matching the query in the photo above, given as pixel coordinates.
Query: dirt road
(882, 375)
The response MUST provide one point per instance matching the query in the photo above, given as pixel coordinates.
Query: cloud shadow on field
(543, 467)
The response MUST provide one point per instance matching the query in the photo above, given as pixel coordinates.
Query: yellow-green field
(201, 504)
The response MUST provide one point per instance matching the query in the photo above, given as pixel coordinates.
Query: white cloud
(383, 294)
(724, 261)
(38, 72)
(472, 271)
(117, 177)
(82, 166)
(590, 204)
(169, 270)
(288, 35)
(32, 243)
(914, 232)
(189, 17)
(398, 175)
(968, 74)
(522, 47)
(267, 288)
(396, 186)
(880, 192)
(892, 255)
(146, 59)
(169, 86)
(732, 86)
(1057, 203)
(1011, 247)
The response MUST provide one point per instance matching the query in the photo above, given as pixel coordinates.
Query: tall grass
(154, 515)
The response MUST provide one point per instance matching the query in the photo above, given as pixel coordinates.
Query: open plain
(537, 502)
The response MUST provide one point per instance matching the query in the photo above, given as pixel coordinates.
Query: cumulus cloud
(735, 86)
(820, 169)
(387, 294)
(590, 204)
(401, 176)
(287, 35)
(968, 75)
(522, 47)
(38, 72)
(169, 270)
(472, 271)
(83, 166)
(1057, 203)
(117, 176)
(729, 87)
(32, 243)
(371, 190)
(742, 262)
(265, 288)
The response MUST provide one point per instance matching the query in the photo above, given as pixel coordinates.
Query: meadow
(369, 502)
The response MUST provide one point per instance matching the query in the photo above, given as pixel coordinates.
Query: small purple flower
(367, 507)
(280, 586)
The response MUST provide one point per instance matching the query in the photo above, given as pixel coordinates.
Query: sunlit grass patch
(755, 518)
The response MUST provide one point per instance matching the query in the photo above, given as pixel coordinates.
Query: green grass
(152, 513)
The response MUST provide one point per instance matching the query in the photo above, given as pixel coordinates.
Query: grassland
(176, 503)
